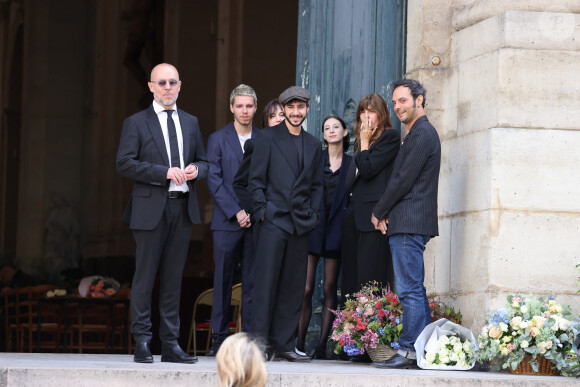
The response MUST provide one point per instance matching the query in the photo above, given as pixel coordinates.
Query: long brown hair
(377, 104)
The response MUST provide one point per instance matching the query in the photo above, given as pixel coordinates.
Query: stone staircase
(76, 370)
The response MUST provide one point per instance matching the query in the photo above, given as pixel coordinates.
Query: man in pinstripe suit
(408, 214)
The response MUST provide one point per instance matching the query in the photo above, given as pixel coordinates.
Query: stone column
(502, 81)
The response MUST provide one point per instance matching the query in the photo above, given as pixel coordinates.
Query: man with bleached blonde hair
(230, 223)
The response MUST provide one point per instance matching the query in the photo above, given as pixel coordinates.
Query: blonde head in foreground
(240, 363)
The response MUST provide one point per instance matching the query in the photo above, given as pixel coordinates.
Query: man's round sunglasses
(163, 82)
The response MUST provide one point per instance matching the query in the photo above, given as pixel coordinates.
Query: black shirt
(297, 140)
(330, 183)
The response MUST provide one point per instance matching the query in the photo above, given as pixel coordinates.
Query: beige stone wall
(505, 99)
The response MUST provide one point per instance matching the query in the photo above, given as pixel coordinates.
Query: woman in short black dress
(325, 238)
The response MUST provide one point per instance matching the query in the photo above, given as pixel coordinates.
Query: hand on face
(369, 123)
(367, 129)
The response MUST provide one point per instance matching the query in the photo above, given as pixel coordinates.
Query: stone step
(76, 370)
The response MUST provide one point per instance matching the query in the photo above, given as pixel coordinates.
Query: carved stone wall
(502, 89)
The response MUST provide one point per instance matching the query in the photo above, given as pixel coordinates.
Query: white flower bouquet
(445, 345)
(530, 327)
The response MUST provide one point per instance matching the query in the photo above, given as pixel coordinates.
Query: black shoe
(319, 354)
(174, 354)
(269, 355)
(215, 347)
(397, 361)
(364, 358)
(293, 356)
(143, 353)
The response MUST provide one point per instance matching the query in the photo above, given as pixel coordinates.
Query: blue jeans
(407, 251)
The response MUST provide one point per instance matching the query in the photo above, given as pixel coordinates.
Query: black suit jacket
(240, 183)
(281, 193)
(329, 228)
(142, 157)
(374, 169)
(410, 200)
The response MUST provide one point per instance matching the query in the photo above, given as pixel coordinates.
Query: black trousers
(366, 256)
(280, 278)
(163, 250)
(228, 248)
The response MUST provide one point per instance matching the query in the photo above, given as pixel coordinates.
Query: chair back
(205, 298)
(15, 312)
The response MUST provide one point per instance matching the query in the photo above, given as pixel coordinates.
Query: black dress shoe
(142, 353)
(319, 354)
(364, 358)
(174, 354)
(397, 361)
(293, 356)
(268, 354)
(215, 347)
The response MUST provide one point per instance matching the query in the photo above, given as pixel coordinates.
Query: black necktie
(173, 147)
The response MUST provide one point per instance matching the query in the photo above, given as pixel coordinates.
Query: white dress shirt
(162, 116)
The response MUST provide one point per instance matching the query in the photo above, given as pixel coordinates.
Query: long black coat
(281, 193)
(374, 169)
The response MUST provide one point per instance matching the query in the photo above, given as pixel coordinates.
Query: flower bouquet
(370, 317)
(529, 327)
(97, 286)
(441, 310)
(445, 345)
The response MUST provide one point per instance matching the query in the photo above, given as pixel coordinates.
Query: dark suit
(327, 235)
(240, 183)
(410, 198)
(161, 226)
(287, 197)
(410, 204)
(365, 251)
(230, 241)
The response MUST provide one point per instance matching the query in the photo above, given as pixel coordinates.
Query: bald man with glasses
(161, 150)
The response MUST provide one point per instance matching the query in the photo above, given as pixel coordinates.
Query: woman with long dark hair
(365, 251)
(272, 114)
(325, 238)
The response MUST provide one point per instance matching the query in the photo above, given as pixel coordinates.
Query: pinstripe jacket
(410, 199)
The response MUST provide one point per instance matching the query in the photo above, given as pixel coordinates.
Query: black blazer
(281, 193)
(410, 200)
(374, 169)
(330, 228)
(240, 183)
(142, 157)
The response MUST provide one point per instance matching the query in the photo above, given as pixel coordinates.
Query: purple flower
(351, 350)
(500, 315)
(395, 345)
(381, 331)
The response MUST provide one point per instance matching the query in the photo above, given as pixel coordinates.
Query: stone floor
(62, 370)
